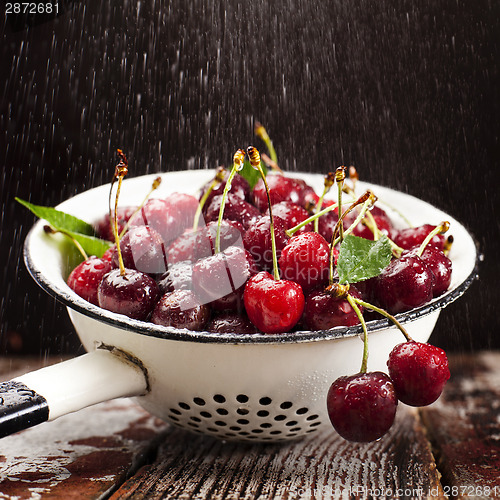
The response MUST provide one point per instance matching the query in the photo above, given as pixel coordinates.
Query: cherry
(273, 306)
(281, 188)
(305, 260)
(404, 284)
(122, 290)
(222, 274)
(257, 240)
(181, 309)
(163, 216)
(103, 227)
(183, 247)
(142, 248)
(235, 209)
(129, 292)
(85, 278)
(439, 264)
(419, 372)
(231, 234)
(414, 236)
(292, 214)
(178, 277)
(108, 254)
(230, 322)
(239, 188)
(383, 224)
(186, 205)
(362, 407)
(324, 310)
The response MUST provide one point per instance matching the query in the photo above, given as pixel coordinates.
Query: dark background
(408, 92)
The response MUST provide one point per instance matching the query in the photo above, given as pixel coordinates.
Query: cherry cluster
(262, 259)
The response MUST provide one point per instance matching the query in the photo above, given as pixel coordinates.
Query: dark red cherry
(230, 322)
(231, 234)
(281, 188)
(404, 284)
(178, 277)
(103, 227)
(163, 216)
(142, 248)
(181, 309)
(183, 247)
(419, 372)
(414, 236)
(222, 275)
(85, 278)
(108, 254)
(186, 205)
(292, 214)
(324, 311)
(362, 407)
(257, 240)
(439, 264)
(273, 306)
(133, 293)
(305, 260)
(235, 209)
(383, 225)
(239, 187)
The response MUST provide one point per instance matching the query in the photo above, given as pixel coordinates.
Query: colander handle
(57, 390)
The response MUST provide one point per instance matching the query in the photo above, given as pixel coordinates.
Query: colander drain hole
(242, 417)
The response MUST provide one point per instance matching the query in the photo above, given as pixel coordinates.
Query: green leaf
(59, 220)
(251, 174)
(360, 259)
(91, 244)
(72, 226)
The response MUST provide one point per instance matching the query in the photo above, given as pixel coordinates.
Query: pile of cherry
(254, 266)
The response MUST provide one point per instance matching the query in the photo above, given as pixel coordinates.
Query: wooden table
(116, 450)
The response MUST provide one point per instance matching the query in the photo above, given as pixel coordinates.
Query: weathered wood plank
(464, 426)
(82, 455)
(196, 467)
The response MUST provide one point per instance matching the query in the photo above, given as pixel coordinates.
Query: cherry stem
(340, 178)
(219, 177)
(50, 230)
(440, 229)
(261, 132)
(384, 313)
(254, 156)
(329, 181)
(154, 187)
(121, 171)
(353, 302)
(237, 165)
(290, 232)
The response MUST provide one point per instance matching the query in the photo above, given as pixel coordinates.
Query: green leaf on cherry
(251, 175)
(81, 231)
(361, 259)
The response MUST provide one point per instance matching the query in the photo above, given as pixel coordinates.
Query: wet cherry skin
(419, 372)
(85, 278)
(273, 306)
(362, 407)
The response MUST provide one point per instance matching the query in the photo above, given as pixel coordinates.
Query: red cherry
(292, 214)
(181, 309)
(235, 209)
(257, 240)
(281, 188)
(419, 372)
(132, 293)
(239, 187)
(142, 248)
(85, 278)
(404, 284)
(305, 260)
(362, 407)
(230, 322)
(231, 234)
(183, 247)
(324, 311)
(414, 236)
(273, 306)
(103, 227)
